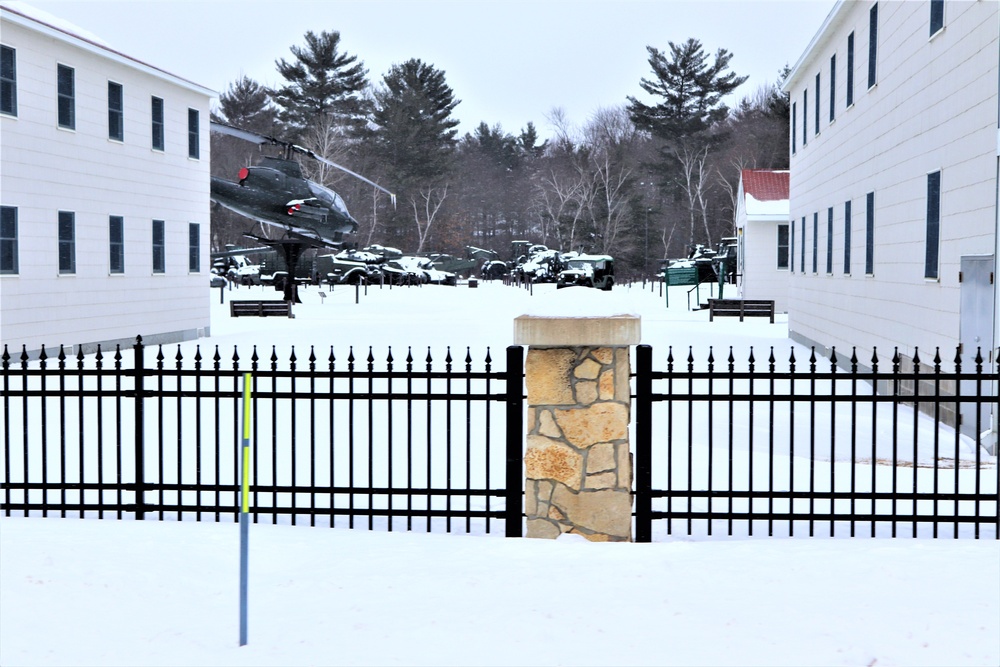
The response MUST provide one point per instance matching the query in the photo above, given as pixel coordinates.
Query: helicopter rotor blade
(261, 139)
(306, 151)
(245, 135)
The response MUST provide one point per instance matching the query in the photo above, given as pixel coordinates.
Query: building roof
(29, 16)
(764, 191)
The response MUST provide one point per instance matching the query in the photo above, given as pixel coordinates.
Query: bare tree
(430, 200)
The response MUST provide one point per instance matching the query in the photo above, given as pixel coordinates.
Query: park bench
(269, 308)
(740, 308)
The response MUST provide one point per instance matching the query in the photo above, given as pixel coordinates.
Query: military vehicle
(597, 271)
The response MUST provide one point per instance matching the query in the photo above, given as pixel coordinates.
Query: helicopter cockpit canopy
(328, 197)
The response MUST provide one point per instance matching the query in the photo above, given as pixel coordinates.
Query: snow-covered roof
(26, 15)
(764, 192)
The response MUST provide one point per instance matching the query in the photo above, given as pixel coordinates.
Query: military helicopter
(275, 193)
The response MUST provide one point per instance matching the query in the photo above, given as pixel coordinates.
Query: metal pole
(245, 511)
(643, 443)
(513, 514)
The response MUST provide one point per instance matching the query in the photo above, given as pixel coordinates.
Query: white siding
(934, 107)
(46, 169)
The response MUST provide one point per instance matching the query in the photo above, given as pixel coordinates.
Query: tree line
(639, 181)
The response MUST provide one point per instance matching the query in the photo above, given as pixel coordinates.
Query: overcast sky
(509, 61)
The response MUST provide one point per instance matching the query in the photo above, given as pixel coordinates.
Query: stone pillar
(578, 467)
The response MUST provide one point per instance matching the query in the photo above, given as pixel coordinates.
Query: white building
(763, 234)
(104, 188)
(894, 175)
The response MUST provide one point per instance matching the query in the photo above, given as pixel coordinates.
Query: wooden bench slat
(263, 308)
(740, 308)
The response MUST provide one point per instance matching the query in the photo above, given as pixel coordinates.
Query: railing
(407, 446)
(805, 449)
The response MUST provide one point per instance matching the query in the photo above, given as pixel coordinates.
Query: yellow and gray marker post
(245, 510)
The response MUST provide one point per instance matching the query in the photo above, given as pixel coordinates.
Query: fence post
(140, 426)
(643, 443)
(577, 462)
(515, 434)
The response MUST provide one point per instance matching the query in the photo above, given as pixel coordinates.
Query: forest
(642, 181)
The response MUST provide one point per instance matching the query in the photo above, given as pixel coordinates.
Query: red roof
(765, 184)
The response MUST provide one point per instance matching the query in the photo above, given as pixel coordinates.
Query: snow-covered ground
(89, 592)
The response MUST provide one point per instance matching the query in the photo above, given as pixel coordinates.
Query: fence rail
(409, 445)
(805, 449)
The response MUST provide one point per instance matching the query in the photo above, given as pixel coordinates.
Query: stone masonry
(577, 465)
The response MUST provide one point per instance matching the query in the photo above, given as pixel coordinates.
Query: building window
(67, 97)
(872, 43)
(847, 237)
(937, 16)
(870, 234)
(795, 129)
(805, 117)
(783, 246)
(8, 80)
(829, 241)
(817, 104)
(116, 243)
(116, 112)
(791, 246)
(194, 247)
(816, 242)
(850, 69)
(67, 242)
(193, 143)
(157, 114)
(933, 225)
(833, 87)
(159, 247)
(8, 240)
(802, 244)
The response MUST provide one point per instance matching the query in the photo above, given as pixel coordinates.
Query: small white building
(104, 191)
(894, 182)
(762, 232)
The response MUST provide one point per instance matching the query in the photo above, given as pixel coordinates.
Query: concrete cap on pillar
(578, 316)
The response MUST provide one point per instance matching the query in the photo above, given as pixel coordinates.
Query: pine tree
(691, 89)
(413, 127)
(247, 105)
(323, 84)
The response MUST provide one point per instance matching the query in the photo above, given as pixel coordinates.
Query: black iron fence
(408, 445)
(813, 447)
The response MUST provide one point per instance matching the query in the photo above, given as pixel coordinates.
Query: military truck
(596, 271)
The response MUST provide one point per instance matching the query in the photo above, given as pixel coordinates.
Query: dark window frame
(805, 117)
(66, 96)
(783, 247)
(156, 115)
(850, 72)
(873, 46)
(833, 87)
(829, 241)
(795, 128)
(159, 247)
(818, 103)
(815, 243)
(8, 80)
(116, 111)
(936, 17)
(194, 138)
(847, 237)
(67, 242)
(870, 234)
(116, 244)
(802, 243)
(194, 247)
(8, 241)
(932, 251)
(791, 246)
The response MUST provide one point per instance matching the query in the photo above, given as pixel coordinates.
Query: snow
(773, 207)
(91, 592)
(54, 21)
